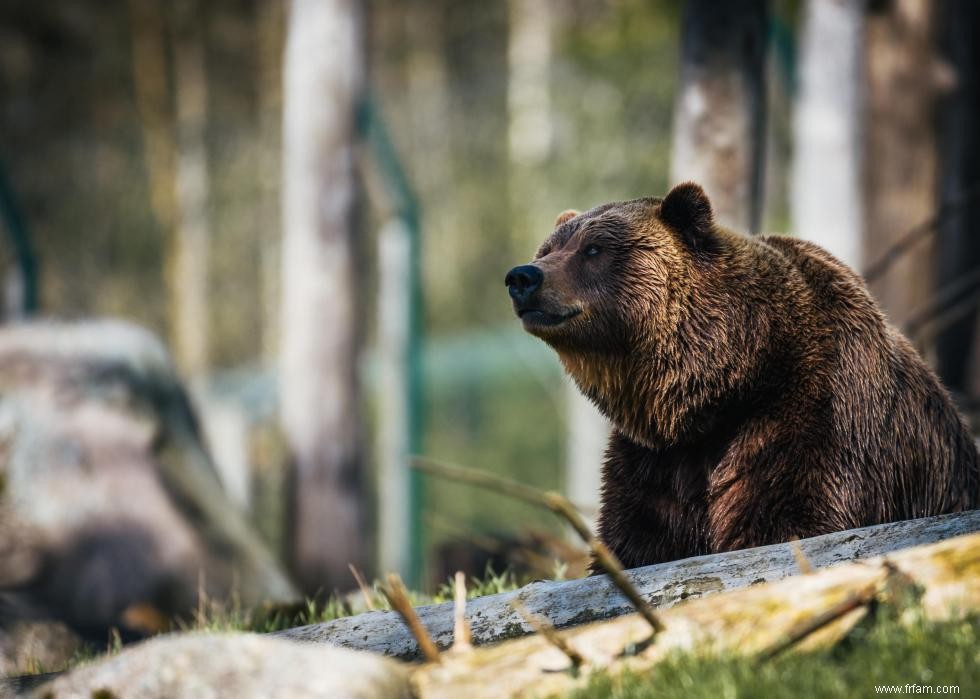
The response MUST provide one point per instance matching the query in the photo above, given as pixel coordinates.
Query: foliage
(490, 584)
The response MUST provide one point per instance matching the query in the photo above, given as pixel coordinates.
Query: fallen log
(806, 612)
(939, 581)
(565, 604)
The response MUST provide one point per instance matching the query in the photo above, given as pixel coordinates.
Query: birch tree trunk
(825, 194)
(529, 128)
(321, 313)
(900, 148)
(719, 117)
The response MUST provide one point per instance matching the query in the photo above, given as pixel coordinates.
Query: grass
(916, 652)
(215, 616)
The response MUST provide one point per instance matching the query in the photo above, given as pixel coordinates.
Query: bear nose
(522, 281)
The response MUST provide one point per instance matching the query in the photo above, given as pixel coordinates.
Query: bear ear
(687, 210)
(565, 217)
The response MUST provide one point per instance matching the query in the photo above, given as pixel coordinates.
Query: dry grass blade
(802, 562)
(461, 628)
(362, 586)
(397, 597)
(548, 631)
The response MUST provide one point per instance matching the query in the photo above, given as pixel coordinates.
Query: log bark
(565, 604)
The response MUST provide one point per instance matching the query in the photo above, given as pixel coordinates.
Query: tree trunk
(719, 118)
(189, 282)
(825, 195)
(152, 93)
(586, 435)
(269, 33)
(394, 426)
(529, 128)
(900, 150)
(322, 310)
(959, 254)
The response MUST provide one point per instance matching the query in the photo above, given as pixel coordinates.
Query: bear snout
(522, 281)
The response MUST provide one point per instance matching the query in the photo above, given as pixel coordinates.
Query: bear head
(602, 280)
(629, 296)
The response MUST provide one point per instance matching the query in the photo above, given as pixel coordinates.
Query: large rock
(238, 666)
(111, 512)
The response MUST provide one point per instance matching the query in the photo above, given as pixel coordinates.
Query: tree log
(565, 604)
(808, 611)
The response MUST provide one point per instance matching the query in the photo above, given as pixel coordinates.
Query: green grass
(886, 653)
(232, 616)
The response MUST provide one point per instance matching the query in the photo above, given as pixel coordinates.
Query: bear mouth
(540, 318)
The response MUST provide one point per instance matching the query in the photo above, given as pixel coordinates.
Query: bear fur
(756, 390)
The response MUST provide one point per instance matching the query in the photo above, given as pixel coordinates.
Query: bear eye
(592, 250)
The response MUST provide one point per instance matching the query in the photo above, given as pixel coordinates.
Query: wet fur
(757, 392)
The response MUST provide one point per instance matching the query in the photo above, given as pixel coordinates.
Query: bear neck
(647, 401)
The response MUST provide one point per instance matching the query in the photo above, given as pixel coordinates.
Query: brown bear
(756, 390)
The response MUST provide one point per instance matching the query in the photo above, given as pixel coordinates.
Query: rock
(111, 511)
(239, 666)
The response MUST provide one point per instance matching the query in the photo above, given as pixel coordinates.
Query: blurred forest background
(158, 161)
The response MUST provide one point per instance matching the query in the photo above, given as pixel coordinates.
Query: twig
(397, 597)
(481, 479)
(362, 585)
(561, 506)
(941, 322)
(853, 601)
(947, 295)
(542, 627)
(461, 627)
(850, 603)
(918, 232)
